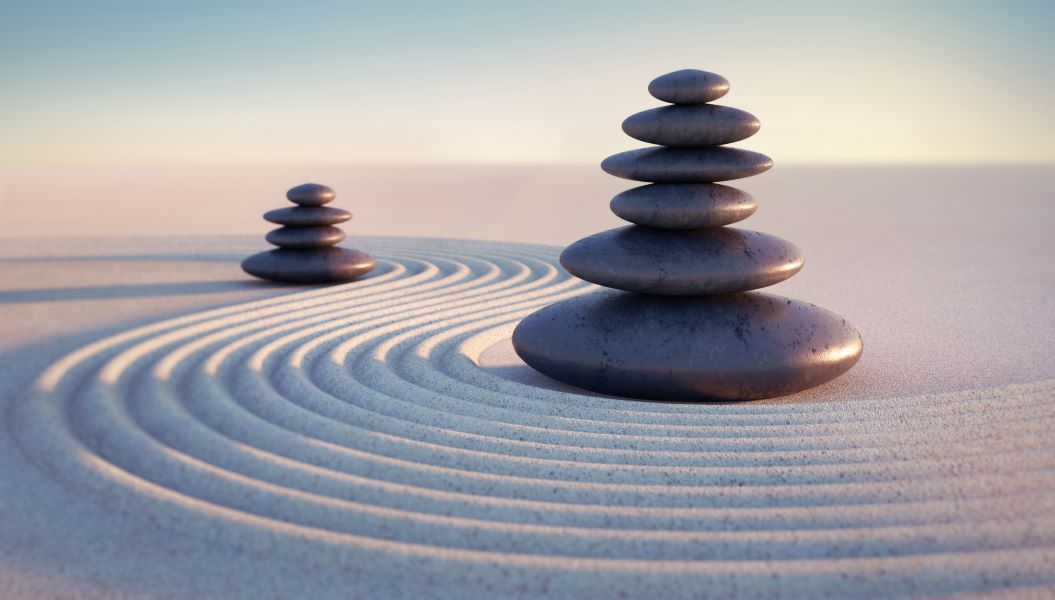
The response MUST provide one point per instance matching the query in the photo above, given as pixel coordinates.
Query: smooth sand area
(170, 427)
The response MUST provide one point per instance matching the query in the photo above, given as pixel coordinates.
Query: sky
(162, 82)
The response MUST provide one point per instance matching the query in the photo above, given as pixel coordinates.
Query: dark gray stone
(734, 347)
(311, 194)
(688, 86)
(307, 216)
(320, 265)
(662, 261)
(686, 327)
(683, 205)
(305, 237)
(691, 126)
(686, 165)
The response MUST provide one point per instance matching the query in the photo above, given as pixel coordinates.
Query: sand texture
(171, 428)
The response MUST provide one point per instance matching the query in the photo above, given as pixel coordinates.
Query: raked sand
(171, 428)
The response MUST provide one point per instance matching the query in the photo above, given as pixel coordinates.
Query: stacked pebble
(307, 242)
(690, 329)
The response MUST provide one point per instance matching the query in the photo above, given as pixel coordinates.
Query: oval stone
(311, 194)
(683, 205)
(307, 216)
(733, 347)
(689, 86)
(690, 126)
(686, 165)
(321, 265)
(305, 237)
(703, 261)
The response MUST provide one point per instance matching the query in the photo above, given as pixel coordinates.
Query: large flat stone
(691, 126)
(683, 205)
(321, 265)
(305, 237)
(735, 347)
(705, 261)
(307, 216)
(689, 86)
(686, 165)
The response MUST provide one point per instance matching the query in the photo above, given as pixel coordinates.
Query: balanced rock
(686, 165)
(736, 347)
(306, 241)
(719, 260)
(311, 194)
(681, 323)
(321, 265)
(691, 126)
(307, 216)
(683, 205)
(689, 86)
(305, 237)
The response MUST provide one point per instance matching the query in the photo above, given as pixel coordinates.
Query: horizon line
(496, 164)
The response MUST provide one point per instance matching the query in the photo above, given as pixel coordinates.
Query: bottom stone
(733, 347)
(318, 265)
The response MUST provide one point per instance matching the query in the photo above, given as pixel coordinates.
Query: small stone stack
(307, 240)
(686, 326)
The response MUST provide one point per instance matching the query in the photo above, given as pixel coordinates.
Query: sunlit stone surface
(689, 86)
(690, 126)
(720, 260)
(734, 347)
(307, 216)
(305, 237)
(306, 242)
(319, 265)
(683, 205)
(686, 327)
(311, 194)
(686, 165)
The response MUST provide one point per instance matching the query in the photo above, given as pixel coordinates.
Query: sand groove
(353, 424)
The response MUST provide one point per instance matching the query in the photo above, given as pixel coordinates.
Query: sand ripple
(352, 424)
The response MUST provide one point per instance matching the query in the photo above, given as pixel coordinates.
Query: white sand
(171, 428)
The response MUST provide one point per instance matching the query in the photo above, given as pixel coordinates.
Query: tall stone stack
(306, 240)
(681, 321)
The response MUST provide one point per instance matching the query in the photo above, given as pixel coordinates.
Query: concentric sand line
(352, 424)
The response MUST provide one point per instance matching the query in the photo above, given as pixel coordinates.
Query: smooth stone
(688, 86)
(311, 194)
(686, 165)
(683, 205)
(307, 216)
(733, 347)
(305, 237)
(720, 260)
(691, 126)
(320, 265)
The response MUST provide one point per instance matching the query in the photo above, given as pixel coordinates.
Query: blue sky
(158, 81)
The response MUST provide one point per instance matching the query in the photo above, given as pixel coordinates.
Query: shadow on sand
(189, 257)
(139, 290)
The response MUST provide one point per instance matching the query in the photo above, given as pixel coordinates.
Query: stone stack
(681, 322)
(307, 251)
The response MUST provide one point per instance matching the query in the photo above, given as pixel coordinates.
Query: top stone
(311, 194)
(689, 86)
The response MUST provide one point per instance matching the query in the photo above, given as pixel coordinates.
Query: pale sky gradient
(306, 82)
